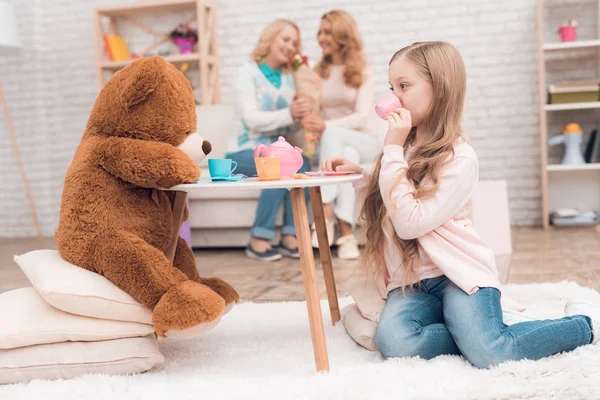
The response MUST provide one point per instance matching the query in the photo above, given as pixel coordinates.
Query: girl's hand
(400, 124)
(301, 107)
(340, 164)
(313, 123)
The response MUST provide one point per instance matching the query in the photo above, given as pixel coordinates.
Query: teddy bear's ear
(142, 78)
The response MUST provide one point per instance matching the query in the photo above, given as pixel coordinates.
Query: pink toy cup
(387, 104)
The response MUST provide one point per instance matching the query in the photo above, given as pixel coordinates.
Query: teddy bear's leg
(185, 261)
(145, 272)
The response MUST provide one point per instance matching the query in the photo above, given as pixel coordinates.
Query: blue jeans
(439, 318)
(269, 201)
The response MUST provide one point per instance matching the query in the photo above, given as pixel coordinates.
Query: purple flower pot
(186, 45)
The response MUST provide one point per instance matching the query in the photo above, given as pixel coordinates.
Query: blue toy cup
(221, 167)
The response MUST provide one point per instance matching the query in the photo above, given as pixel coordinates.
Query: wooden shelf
(134, 8)
(572, 106)
(175, 59)
(579, 44)
(575, 167)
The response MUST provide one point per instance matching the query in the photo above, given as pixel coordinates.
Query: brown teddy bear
(114, 221)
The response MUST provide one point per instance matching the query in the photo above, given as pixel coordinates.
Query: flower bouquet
(308, 83)
(185, 38)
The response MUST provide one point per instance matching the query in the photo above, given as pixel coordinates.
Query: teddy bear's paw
(187, 305)
(223, 289)
(194, 331)
(185, 169)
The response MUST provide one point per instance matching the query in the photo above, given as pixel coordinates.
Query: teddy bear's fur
(114, 221)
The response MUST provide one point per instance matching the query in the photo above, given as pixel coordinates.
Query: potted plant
(184, 37)
(568, 31)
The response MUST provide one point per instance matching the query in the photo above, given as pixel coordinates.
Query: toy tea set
(278, 161)
(281, 160)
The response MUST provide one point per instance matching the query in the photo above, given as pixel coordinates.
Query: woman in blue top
(266, 109)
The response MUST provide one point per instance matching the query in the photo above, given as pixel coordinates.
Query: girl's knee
(486, 355)
(393, 340)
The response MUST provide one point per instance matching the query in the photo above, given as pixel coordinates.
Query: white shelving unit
(584, 167)
(565, 186)
(571, 45)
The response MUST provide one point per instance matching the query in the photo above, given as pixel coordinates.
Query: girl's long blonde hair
(267, 37)
(442, 65)
(345, 33)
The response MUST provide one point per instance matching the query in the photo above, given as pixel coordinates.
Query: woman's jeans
(269, 201)
(439, 318)
(354, 146)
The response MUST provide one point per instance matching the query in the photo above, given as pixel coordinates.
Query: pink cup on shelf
(387, 104)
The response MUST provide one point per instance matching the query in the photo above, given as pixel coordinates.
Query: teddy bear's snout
(206, 147)
(195, 147)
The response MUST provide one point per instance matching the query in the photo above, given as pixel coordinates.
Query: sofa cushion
(214, 124)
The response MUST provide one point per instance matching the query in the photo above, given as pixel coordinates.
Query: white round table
(307, 260)
(254, 183)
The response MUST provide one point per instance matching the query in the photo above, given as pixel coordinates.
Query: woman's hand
(301, 107)
(313, 123)
(400, 124)
(340, 164)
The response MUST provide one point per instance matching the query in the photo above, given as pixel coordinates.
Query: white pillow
(366, 294)
(70, 359)
(78, 291)
(28, 320)
(360, 329)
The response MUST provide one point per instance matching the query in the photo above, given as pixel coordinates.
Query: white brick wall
(51, 84)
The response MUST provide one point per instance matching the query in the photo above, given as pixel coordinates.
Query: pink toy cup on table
(387, 104)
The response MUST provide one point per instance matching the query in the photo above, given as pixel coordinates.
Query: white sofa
(223, 218)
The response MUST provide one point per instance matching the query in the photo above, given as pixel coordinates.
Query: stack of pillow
(71, 322)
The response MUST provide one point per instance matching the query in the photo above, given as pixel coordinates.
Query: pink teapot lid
(282, 144)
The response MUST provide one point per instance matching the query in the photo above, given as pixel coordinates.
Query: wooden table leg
(325, 252)
(309, 277)
(178, 208)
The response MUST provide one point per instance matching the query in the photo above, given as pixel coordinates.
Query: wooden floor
(539, 256)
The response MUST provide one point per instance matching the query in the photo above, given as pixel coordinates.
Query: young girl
(438, 275)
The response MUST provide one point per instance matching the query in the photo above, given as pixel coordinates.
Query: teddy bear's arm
(147, 164)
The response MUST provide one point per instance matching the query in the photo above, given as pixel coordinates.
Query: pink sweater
(344, 106)
(447, 242)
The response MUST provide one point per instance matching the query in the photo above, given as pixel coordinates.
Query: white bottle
(571, 138)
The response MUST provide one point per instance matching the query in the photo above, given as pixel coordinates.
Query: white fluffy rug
(264, 351)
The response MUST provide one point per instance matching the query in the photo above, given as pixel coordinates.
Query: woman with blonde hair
(347, 98)
(266, 108)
